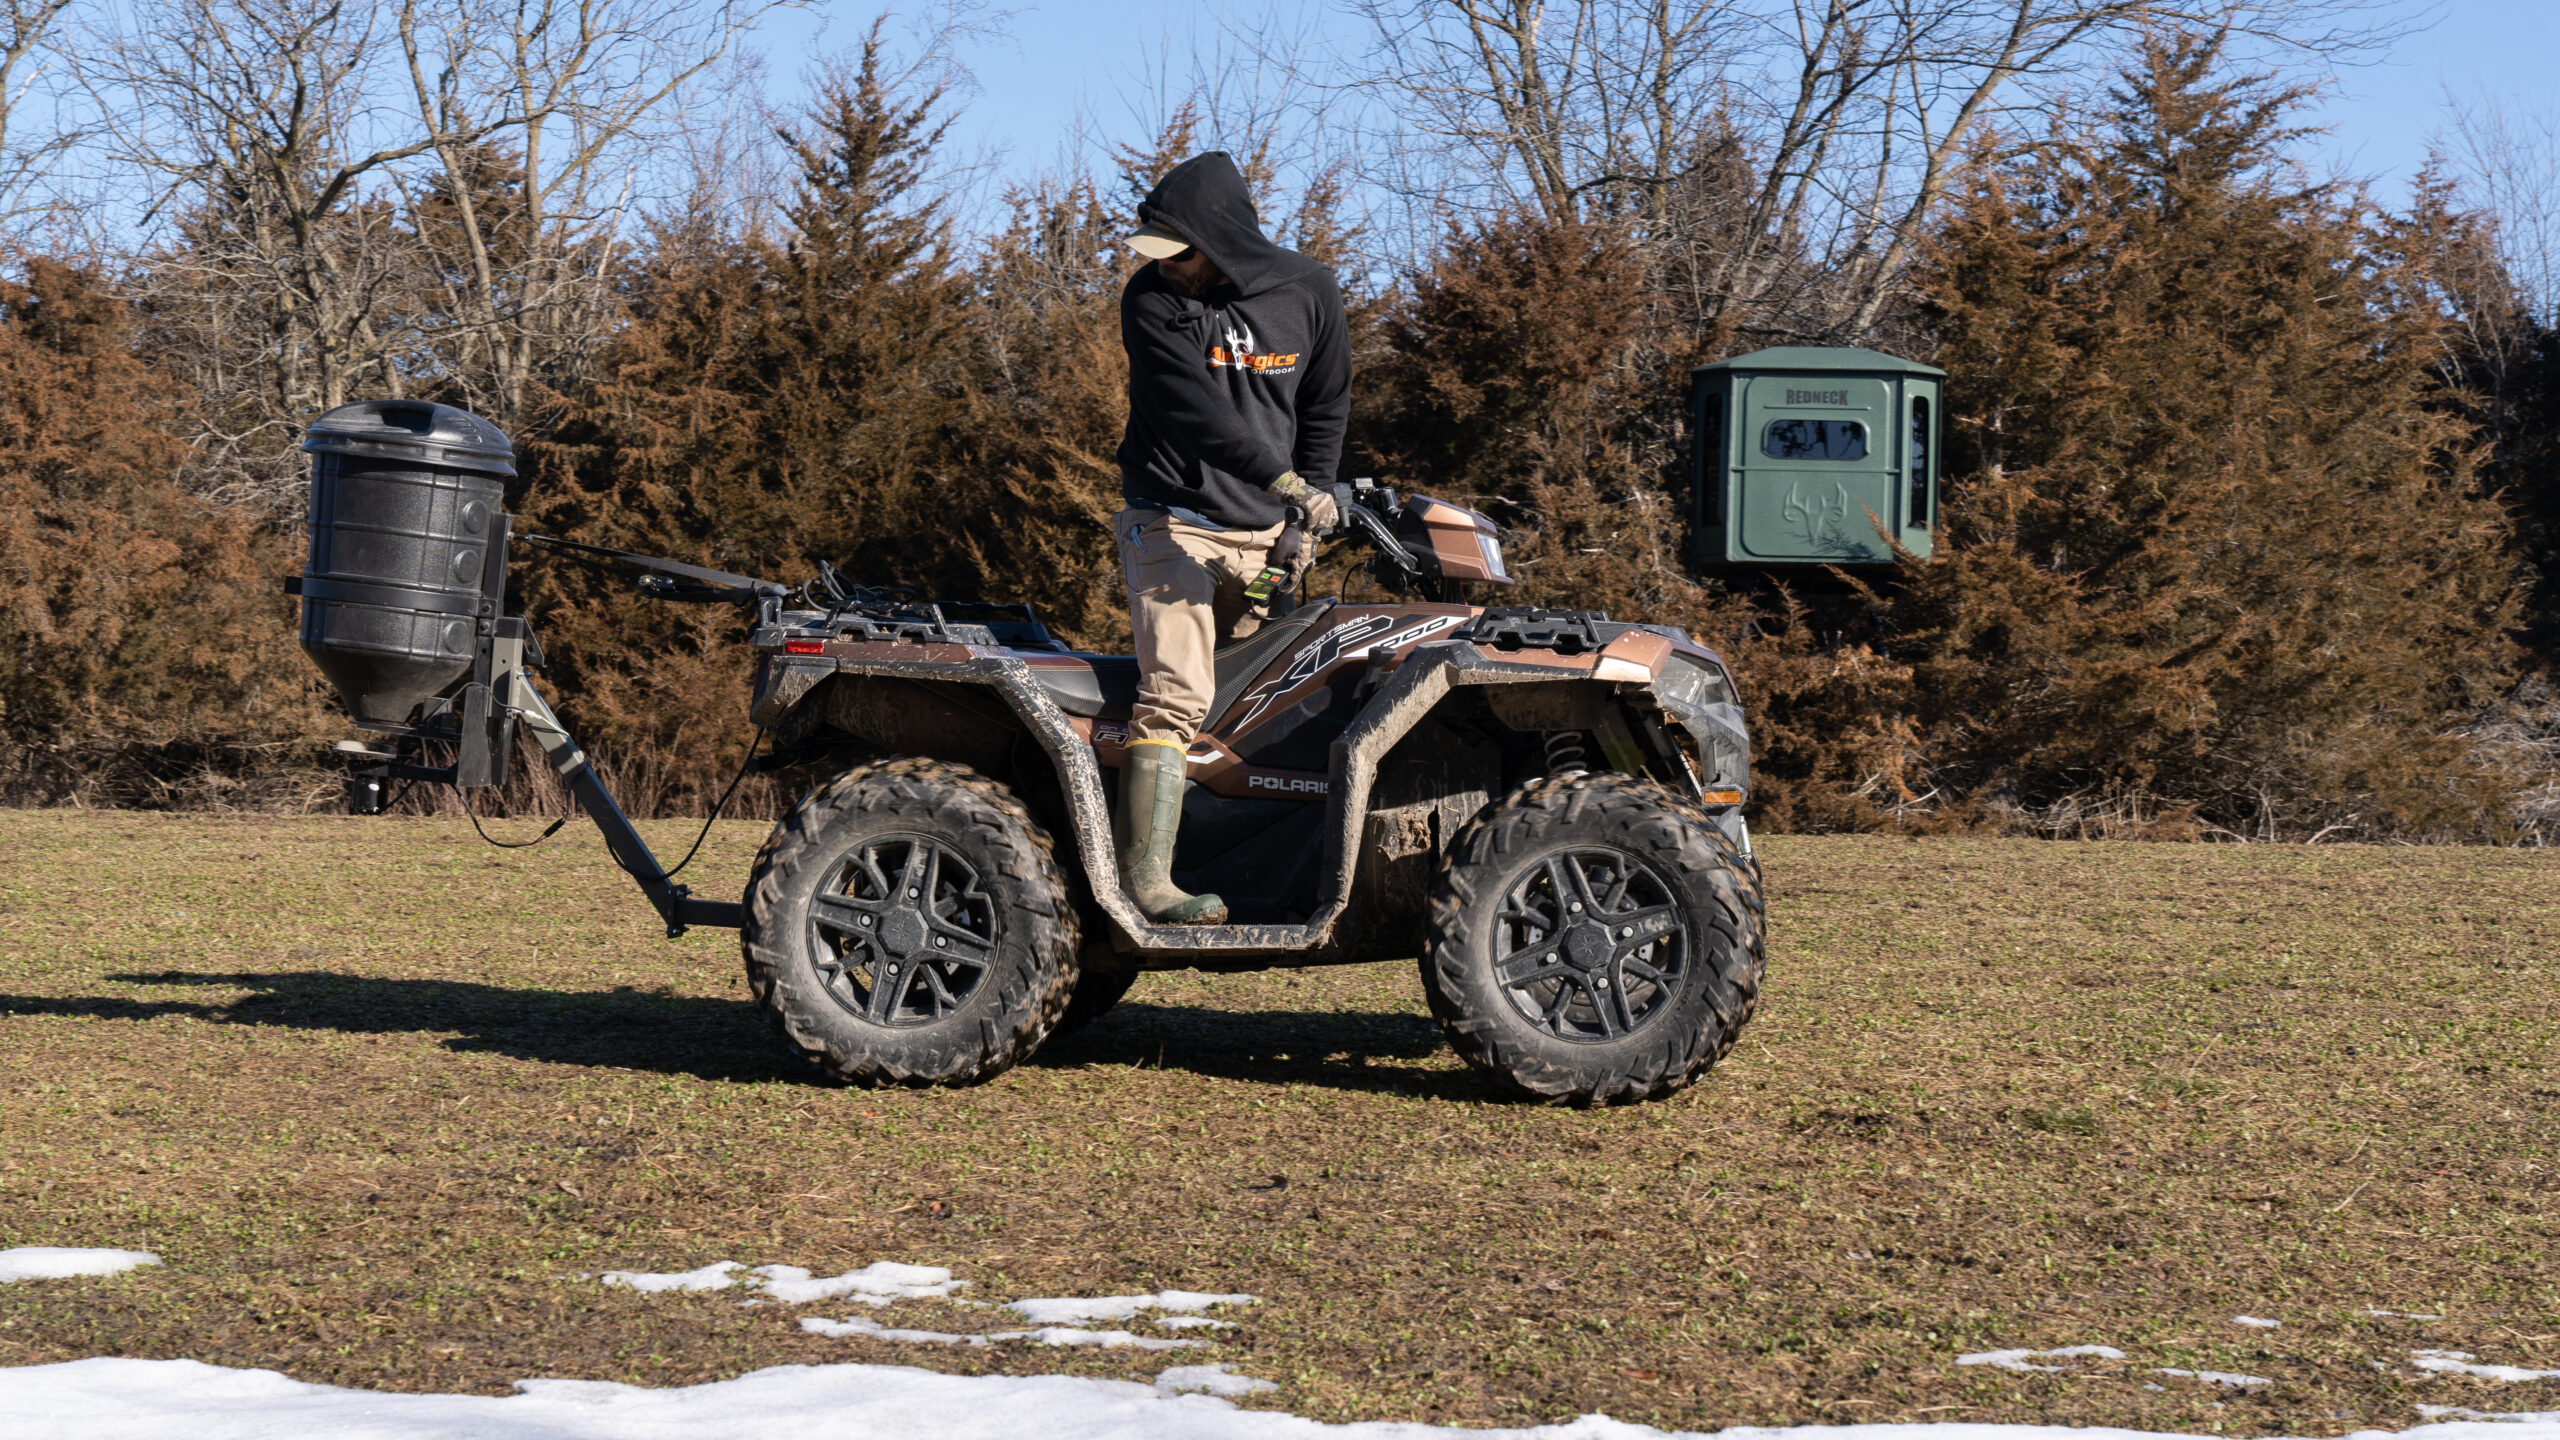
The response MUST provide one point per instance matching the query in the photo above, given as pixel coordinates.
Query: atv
(1543, 805)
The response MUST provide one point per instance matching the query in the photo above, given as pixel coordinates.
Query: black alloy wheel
(1594, 939)
(903, 933)
(907, 924)
(1593, 945)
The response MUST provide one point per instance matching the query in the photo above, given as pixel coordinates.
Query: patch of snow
(874, 1284)
(1193, 1322)
(874, 1330)
(55, 1262)
(2402, 1315)
(1209, 1380)
(1122, 1307)
(113, 1399)
(2506, 1417)
(1108, 1339)
(2255, 1322)
(857, 1327)
(2460, 1362)
(709, 1277)
(2023, 1359)
(1193, 1301)
(2220, 1377)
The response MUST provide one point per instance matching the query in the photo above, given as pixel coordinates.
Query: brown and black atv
(1545, 806)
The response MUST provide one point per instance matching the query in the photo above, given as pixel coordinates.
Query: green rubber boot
(1150, 813)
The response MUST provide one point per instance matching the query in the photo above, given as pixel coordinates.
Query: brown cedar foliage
(2214, 542)
(149, 652)
(2215, 548)
(1035, 477)
(770, 405)
(1524, 371)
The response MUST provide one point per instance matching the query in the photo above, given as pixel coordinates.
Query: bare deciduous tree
(1803, 137)
(28, 30)
(523, 253)
(271, 263)
(380, 196)
(2509, 161)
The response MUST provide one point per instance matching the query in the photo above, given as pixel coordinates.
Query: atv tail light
(804, 647)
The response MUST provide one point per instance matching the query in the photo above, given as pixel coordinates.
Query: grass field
(382, 1099)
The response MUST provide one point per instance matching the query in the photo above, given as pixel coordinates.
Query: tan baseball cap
(1158, 241)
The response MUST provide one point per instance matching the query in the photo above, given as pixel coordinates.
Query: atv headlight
(1492, 549)
(1688, 684)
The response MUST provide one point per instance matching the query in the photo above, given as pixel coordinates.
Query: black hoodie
(1230, 390)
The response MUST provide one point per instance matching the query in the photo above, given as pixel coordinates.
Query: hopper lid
(417, 430)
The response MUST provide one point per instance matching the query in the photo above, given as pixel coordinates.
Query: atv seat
(1105, 687)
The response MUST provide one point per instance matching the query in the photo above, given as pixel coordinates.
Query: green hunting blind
(1800, 455)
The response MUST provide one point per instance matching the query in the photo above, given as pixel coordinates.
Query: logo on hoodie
(1240, 353)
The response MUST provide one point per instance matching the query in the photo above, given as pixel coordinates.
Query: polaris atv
(1544, 806)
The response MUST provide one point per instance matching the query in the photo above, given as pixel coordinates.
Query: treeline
(2249, 525)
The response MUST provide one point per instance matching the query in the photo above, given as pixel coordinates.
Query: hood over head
(1204, 200)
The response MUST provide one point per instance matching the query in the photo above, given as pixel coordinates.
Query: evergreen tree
(1035, 477)
(150, 654)
(2214, 545)
(769, 406)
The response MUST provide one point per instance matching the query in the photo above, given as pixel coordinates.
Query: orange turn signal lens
(1722, 797)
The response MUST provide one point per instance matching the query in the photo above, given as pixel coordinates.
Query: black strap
(394, 597)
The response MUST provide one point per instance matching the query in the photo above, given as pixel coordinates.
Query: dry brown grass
(381, 1098)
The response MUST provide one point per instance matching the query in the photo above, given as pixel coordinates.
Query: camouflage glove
(1322, 513)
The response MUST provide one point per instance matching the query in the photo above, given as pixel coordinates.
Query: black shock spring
(1565, 754)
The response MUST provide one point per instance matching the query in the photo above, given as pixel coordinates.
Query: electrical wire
(723, 803)
(554, 828)
(510, 844)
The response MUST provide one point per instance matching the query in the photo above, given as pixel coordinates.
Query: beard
(1194, 284)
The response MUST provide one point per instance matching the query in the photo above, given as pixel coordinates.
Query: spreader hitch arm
(676, 905)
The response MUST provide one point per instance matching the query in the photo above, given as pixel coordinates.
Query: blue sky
(2383, 113)
(1077, 67)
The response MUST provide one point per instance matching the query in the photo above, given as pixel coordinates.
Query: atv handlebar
(1368, 516)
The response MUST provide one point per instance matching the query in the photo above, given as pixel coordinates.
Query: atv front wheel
(1594, 940)
(908, 925)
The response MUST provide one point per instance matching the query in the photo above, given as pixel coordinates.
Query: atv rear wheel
(907, 924)
(1594, 940)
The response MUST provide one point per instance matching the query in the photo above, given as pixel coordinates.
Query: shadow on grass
(1332, 1048)
(726, 1040)
(622, 1028)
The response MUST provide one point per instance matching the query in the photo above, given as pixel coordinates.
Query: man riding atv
(1239, 391)
(1540, 808)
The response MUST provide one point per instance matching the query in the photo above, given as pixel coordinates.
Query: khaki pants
(1186, 598)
